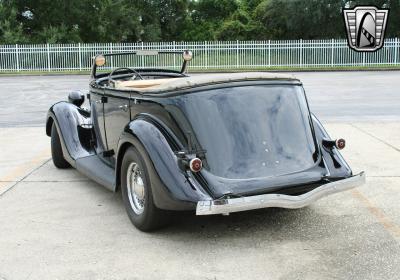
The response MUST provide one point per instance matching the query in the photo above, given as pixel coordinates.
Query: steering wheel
(116, 70)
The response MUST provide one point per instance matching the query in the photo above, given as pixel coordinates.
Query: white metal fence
(207, 55)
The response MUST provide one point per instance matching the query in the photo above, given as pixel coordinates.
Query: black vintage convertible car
(213, 143)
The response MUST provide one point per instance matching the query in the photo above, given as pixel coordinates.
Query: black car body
(214, 143)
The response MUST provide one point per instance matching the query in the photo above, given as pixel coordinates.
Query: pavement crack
(377, 138)
(384, 176)
(379, 214)
(56, 181)
(23, 178)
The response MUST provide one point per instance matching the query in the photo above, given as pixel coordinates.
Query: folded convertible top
(161, 85)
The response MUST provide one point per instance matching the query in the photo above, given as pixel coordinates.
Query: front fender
(172, 188)
(70, 122)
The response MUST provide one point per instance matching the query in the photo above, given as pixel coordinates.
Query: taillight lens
(195, 164)
(340, 143)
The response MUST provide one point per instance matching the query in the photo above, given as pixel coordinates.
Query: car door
(116, 117)
(97, 111)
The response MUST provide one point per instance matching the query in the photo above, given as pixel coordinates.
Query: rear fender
(74, 128)
(172, 188)
(336, 164)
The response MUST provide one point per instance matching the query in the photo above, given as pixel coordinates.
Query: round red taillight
(195, 165)
(340, 144)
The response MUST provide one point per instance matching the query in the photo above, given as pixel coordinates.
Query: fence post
(301, 52)
(111, 58)
(17, 56)
(396, 46)
(206, 51)
(237, 53)
(48, 58)
(80, 56)
(142, 57)
(174, 49)
(363, 59)
(269, 53)
(332, 54)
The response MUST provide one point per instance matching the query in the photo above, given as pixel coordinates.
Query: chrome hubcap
(136, 191)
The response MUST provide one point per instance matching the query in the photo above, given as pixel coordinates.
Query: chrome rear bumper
(226, 206)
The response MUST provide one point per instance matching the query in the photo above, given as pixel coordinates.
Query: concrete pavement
(57, 224)
(333, 96)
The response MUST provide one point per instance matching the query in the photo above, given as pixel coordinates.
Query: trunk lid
(258, 138)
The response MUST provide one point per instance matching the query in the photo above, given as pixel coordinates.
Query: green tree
(58, 34)
(117, 21)
(164, 19)
(215, 10)
(239, 26)
(211, 19)
(299, 19)
(272, 19)
(232, 30)
(11, 30)
(199, 31)
(79, 20)
(394, 19)
(61, 21)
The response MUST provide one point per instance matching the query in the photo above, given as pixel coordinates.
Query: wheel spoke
(136, 188)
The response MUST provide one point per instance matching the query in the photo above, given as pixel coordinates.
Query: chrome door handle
(123, 107)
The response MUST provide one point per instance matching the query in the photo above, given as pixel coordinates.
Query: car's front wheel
(56, 149)
(137, 193)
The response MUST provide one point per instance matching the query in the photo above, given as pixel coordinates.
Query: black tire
(151, 217)
(56, 150)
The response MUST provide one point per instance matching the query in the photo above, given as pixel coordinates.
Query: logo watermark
(365, 26)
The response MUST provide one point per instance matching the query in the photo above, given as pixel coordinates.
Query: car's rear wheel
(56, 149)
(137, 193)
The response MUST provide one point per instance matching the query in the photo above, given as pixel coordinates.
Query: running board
(94, 168)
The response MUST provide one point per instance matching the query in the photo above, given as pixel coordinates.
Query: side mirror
(76, 98)
(100, 60)
(187, 55)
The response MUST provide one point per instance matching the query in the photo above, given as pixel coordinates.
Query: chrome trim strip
(226, 206)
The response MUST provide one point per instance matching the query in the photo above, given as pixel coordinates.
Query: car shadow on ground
(317, 221)
(272, 224)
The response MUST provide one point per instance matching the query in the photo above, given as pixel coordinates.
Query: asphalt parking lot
(57, 224)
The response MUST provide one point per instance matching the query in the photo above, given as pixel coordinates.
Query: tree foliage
(67, 21)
